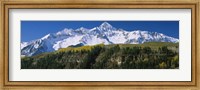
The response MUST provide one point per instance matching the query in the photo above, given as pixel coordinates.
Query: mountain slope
(105, 33)
(150, 55)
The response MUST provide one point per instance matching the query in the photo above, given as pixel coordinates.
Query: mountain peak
(47, 36)
(66, 31)
(106, 26)
(82, 28)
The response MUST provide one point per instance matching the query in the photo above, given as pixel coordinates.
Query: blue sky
(31, 30)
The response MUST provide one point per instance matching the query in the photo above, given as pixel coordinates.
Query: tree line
(102, 57)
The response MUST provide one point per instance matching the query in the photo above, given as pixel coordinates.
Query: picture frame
(193, 84)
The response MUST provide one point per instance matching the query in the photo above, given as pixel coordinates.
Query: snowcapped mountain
(105, 33)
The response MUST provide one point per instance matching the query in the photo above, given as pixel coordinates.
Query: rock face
(105, 33)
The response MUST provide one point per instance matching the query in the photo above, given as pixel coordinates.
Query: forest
(151, 55)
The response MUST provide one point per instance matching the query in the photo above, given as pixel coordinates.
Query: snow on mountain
(105, 33)
(24, 44)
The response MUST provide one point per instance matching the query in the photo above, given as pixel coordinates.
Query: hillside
(151, 55)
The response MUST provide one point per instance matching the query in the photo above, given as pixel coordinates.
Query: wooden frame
(88, 4)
